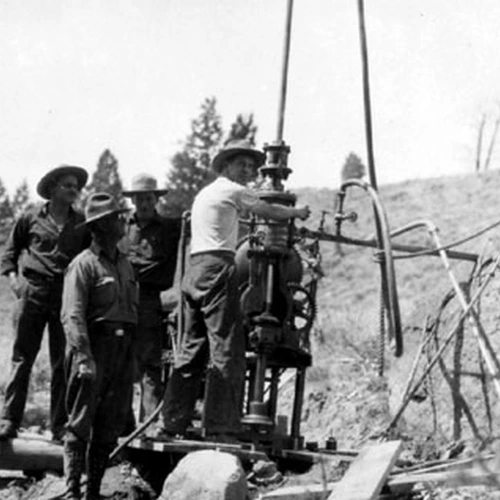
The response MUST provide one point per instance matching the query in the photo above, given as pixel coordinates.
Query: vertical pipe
(300, 382)
(284, 73)
(366, 95)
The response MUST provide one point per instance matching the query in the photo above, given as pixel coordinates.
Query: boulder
(206, 475)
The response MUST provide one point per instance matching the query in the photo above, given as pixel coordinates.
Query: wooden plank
(380, 457)
(367, 474)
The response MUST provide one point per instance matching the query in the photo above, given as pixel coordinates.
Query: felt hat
(144, 183)
(100, 205)
(47, 181)
(234, 148)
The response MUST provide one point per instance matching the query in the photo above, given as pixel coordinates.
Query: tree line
(188, 172)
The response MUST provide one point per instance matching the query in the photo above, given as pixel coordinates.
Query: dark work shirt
(96, 289)
(152, 249)
(45, 248)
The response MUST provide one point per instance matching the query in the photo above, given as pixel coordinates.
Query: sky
(80, 76)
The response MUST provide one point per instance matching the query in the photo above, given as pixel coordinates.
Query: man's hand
(87, 369)
(14, 284)
(304, 212)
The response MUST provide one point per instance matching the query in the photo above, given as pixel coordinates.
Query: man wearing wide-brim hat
(99, 316)
(44, 240)
(211, 299)
(151, 243)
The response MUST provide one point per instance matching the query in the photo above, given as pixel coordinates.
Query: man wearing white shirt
(210, 292)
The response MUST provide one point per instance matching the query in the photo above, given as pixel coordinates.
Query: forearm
(277, 212)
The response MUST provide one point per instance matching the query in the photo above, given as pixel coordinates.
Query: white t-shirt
(214, 215)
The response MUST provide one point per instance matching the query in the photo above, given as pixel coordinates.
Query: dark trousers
(97, 409)
(147, 352)
(214, 331)
(39, 306)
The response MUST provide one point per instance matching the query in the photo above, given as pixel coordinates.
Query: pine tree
(243, 128)
(190, 170)
(191, 167)
(105, 179)
(353, 168)
(6, 212)
(21, 199)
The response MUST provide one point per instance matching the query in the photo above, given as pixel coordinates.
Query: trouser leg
(184, 383)
(29, 324)
(74, 465)
(57, 343)
(225, 377)
(97, 461)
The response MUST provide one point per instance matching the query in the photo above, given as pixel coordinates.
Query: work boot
(74, 463)
(97, 462)
(8, 429)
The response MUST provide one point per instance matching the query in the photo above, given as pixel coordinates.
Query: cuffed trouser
(213, 330)
(38, 306)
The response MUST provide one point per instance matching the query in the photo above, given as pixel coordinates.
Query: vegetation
(190, 169)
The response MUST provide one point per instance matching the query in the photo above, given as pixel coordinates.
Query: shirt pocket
(104, 292)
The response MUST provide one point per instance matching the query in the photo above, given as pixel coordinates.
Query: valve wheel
(303, 312)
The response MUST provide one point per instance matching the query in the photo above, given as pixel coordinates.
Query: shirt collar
(155, 219)
(44, 210)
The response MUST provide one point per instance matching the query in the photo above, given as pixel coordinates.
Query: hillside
(345, 397)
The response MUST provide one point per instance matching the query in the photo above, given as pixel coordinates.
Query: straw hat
(144, 183)
(100, 205)
(234, 148)
(51, 177)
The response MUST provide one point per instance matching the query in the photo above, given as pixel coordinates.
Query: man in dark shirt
(99, 315)
(151, 245)
(42, 243)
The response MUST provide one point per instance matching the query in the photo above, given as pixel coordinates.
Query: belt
(116, 328)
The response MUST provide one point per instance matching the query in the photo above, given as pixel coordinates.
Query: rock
(206, 475)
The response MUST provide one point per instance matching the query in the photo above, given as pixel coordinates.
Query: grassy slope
(344, 397)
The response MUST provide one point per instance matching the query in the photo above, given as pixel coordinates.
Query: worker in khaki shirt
(99, 316)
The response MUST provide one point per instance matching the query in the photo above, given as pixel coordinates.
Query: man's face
(113, 226)
(241, 169)
(66, 189)
(145, 204)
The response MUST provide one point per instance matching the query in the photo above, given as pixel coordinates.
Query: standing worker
(42, 243)
(99, 315)
(151, 243)
(210, 292)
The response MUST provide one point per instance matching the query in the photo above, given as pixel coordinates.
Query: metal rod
(284, 73)
(444, 345)
(366, 95)
(322, 236)
(488, 354)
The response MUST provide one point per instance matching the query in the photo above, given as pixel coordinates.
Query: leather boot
(97, 461)
(74, 464)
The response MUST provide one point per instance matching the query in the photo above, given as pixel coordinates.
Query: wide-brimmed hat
(100, 205)
(45, 183)
(234, 148)
(144, 183)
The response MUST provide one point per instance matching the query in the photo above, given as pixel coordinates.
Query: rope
(450, 245)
